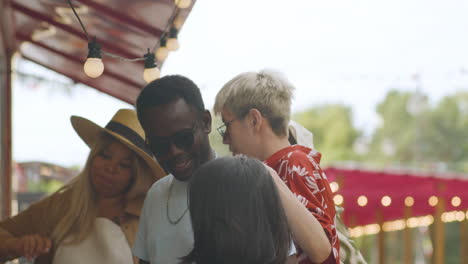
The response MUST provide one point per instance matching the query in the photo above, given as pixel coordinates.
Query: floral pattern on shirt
(299, 168)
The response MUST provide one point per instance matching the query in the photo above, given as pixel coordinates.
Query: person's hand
(32, 246)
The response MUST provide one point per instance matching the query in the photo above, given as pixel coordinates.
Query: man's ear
(206, 119)
(255, 118)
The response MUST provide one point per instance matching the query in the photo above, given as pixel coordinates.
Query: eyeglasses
(183, 140)
(223, 128)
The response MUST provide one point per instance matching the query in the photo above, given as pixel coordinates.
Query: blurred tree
(413, 133)
(446, 133)
(334, 133)
(216, 140)
(395, 139)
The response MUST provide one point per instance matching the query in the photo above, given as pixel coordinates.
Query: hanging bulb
(162, 52)
(172, 42)
(178, 21)
(151, 71)
(183, 3)
(93, 66)
(151, 74)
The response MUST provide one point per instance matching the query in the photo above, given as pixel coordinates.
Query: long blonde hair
(78, 222)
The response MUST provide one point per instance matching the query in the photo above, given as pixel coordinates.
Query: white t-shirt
(105, 244)
(158, 240)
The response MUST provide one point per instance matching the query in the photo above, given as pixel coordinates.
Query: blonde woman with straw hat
(94, 218)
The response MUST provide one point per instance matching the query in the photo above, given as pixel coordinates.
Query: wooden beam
(121, 17)
(79, 80)
(108, 46)
(78, 60)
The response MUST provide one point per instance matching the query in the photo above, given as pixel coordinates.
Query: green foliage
(396, 139)
(413, 133)
(333, 130)
(216, 140)
(448, 129)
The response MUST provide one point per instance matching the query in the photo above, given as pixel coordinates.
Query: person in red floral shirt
(256, 108)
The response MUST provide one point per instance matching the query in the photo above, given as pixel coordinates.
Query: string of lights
(94, 67)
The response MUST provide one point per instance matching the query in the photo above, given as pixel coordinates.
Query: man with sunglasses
(176, 123)
(256, 108)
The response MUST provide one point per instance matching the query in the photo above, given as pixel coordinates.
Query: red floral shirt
(299, 168)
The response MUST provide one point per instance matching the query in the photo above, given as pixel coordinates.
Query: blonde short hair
(268, 91)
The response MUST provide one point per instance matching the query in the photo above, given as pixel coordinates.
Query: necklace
(174, 222)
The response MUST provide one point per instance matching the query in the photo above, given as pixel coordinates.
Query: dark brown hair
(236, 214)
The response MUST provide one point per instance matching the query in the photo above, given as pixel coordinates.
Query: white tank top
(105, 244)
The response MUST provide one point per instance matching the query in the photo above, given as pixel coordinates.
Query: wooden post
(464, 241)
(439, 233)
(7, 47)
(5, 135)
(381, 237)
(408, 238)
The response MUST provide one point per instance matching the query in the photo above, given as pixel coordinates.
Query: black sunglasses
(183, 140)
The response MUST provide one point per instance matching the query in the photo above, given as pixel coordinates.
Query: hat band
(129, 134)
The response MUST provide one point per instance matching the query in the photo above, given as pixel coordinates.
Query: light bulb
(183, 3)
(172, 44)
(162, 53)
(151, 71)
(178, 21)
(93, 67)
(151, 74)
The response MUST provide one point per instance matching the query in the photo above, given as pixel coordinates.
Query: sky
(349, 52)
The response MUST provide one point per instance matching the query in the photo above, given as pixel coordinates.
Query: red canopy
(385, 193)
(47, 33)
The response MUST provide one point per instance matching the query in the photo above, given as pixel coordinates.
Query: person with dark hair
(167, 89)
(237, 215)
(176, 123)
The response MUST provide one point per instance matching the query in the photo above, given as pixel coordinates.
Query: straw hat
(126, 129)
